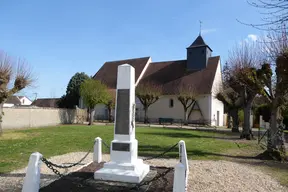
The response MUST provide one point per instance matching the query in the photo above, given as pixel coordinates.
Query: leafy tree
(23, 78)
(93, 92)
(148, 93)
(110, 104)
(187, 95)
(72, 92)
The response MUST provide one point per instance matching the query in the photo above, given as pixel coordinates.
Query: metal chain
(162, 154)
(51, 165)
(106, 145)
(161, 175)
(44, 160)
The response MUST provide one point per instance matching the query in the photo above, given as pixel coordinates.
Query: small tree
(233, 102)
(22, 79)
(72, 96)
(110, 104)
(187, 95)
(93, 92)
(148, 93)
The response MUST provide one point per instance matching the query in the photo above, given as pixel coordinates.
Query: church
(199, 69)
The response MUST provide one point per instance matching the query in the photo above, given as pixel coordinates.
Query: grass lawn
(16, 146)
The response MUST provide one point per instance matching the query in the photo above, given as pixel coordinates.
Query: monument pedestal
(123, 172)
(124, 165)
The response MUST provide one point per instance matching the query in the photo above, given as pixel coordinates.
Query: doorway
(218, 117)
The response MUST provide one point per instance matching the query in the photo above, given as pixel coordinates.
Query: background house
(200, 70)
(17, 101)
(46, 102)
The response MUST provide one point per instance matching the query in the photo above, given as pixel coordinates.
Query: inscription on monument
(121, 146)
(122, 112)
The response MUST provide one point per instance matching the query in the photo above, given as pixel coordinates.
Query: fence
(15, 118)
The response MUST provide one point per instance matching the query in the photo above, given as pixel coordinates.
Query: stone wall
(15, 118)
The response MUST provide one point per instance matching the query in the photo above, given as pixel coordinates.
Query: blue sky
(61, 37)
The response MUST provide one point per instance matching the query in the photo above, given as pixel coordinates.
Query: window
(171, 103)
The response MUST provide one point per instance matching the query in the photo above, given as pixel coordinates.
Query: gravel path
(204, 176)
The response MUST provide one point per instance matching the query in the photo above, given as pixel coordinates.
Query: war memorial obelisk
(124, 165)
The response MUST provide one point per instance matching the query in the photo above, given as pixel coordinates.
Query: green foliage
(241, 116)
(73, 91)
(93, 93)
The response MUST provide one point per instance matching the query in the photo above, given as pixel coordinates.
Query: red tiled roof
(172, 74)
(108, 72)
(169, 74)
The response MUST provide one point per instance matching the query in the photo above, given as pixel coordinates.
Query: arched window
(171, 103)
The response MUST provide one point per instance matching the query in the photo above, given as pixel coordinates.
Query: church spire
(200, 27)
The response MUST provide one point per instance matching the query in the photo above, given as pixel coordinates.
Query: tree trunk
(109, 114)
(272, 138)
(185, 116)
(247, 131)
(1, 118)
(146, 115)
(92, 113)
(235, 118)
(275, 144)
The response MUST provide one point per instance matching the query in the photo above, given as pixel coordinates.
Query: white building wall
(25, 101)
(217, 107)
(161, 108)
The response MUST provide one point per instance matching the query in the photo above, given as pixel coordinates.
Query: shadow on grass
(191, 135)
(263, 163)
(151, 151)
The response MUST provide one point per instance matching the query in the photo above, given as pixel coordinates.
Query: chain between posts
(52, 166)
(161, 175)
(162, 154)
(106, 145)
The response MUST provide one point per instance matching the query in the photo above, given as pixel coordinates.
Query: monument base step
(130, 173)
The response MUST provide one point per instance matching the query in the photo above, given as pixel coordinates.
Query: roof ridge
(168, 61)
(128, 59)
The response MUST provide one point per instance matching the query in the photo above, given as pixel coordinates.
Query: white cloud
(249, 38)
(206, 31)
(252, 37)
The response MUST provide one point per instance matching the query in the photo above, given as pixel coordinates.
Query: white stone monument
(124, 165)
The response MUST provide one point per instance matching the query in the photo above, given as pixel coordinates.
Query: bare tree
(187, 94)
(244, 62)
(274, 14)
(15, 72)
(148, 93)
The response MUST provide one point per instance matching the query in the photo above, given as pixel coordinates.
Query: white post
(181, 170)
(183, 156)
(179, 178)
(32, 178)
(97, 155)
